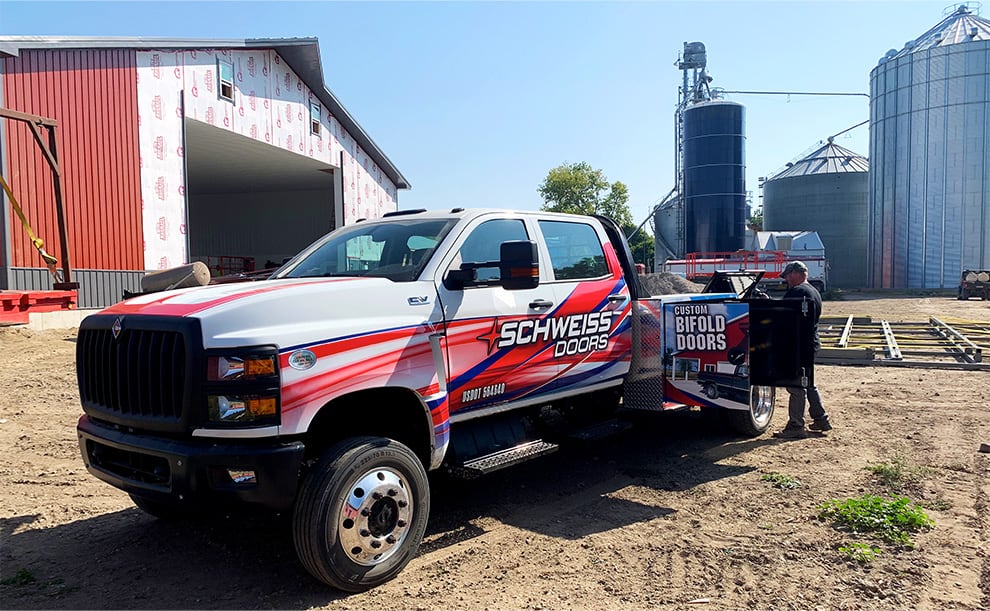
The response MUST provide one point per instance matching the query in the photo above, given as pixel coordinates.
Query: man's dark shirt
(806, 291)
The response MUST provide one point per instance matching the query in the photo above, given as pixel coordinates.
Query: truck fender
(438, 405)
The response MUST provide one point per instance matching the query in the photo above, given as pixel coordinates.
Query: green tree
(641, 244)
(756, 218)
(577, 188)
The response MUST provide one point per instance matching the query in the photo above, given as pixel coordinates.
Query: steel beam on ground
(966, 349)
(893, 351)
(844, 338)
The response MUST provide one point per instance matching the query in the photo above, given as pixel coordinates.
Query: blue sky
(474, 102)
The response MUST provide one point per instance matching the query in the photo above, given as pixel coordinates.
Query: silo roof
(829, 159)
(959, 27)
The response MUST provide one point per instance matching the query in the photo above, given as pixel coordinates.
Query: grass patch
(21, 578)
(893, 521)
(897, 474)
(779, 480)
(862, 553)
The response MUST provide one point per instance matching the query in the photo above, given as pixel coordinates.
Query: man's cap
(794, 266)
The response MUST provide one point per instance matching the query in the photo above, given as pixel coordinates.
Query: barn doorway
(252, 205)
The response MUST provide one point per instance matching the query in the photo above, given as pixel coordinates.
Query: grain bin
(825, 191)
(714, 176)
(929, 189)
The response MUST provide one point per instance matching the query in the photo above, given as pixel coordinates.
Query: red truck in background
(701, 266)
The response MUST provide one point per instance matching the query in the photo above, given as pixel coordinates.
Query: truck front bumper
(194, 471)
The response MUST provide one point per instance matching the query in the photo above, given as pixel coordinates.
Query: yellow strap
(38, 242)
(20, 214)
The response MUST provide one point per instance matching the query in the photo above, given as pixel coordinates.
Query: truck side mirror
(457, 279)
(519, 266)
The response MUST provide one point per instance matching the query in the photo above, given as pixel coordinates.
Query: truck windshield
(397, 250)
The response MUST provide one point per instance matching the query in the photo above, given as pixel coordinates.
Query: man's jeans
(795, 406)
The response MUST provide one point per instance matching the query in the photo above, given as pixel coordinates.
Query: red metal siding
(93, 96)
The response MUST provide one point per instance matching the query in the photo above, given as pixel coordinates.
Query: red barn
(230, 152)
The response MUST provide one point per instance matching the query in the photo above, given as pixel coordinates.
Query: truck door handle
(539, 304)
(616, 298)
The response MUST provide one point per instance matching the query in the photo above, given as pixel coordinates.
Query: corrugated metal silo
(826, 192)
(714, 177)
(929, 198)
(668, 228)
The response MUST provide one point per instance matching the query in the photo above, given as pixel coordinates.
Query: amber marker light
(262, 406)
(259, 366)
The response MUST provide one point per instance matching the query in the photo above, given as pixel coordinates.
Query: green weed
(893, 521)
(898, 474)
(860, 552)
(779, 480)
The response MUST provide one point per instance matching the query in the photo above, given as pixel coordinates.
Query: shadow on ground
(249, 562)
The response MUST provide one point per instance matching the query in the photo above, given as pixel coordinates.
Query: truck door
(593, 302)
(496, 348)
(780, 341)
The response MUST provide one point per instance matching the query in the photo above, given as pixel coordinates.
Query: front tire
(361, 513)
(755, 420)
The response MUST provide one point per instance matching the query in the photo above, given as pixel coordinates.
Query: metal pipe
(865, 95)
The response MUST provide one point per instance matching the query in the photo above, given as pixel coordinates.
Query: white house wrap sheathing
(271, 104)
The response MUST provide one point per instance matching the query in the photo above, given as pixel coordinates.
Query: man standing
(796, 276)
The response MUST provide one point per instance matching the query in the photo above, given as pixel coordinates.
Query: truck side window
(575, 250)
(485, 242)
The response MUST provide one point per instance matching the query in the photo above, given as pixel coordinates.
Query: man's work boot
(791, 432)
(820, 426)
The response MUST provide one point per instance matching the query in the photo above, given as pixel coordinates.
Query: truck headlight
(241, 408)
(246, 367)
(243, 387)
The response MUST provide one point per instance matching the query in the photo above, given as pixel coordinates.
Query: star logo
(491, 337)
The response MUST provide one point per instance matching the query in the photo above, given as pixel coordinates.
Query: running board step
(600, 430)
(506, 458)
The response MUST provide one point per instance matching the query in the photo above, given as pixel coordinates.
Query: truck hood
(295, 311)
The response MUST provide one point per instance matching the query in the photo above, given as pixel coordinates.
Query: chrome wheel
(761, 405)
(375, 517)
(755, 420)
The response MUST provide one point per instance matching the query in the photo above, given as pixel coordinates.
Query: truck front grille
(139, 378)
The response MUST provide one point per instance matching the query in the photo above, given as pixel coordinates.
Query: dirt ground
(671, 514)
